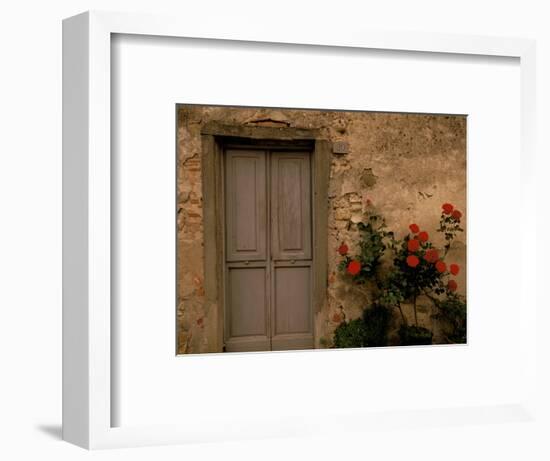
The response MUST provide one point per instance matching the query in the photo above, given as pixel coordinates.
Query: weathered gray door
(268, 250)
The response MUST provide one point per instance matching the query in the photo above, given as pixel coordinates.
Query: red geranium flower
(456, 215)
(414, 228)
(440, 266)
(354, 267)
(413, 245)
(423, 236)
(452, 285)
(431, 255)
(412, 261)
(454, 269)
(343, 249)
(447, 208)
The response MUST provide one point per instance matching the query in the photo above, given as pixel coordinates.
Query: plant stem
(402, 315)
(414, 305)
(430, 297)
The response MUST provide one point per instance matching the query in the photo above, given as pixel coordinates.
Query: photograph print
(307, 229)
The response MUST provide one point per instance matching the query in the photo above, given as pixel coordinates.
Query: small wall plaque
(340, 147)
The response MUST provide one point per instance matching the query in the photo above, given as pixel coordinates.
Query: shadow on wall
(54, 431)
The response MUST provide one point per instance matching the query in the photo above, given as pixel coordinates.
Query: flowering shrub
(417, 267)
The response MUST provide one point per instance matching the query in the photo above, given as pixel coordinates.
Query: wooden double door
(268, 249)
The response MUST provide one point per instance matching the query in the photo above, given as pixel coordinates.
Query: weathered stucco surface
(404, 165)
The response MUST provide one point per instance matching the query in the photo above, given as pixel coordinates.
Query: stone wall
(403, 165)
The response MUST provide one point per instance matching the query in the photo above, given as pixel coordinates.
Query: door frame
(214, 137)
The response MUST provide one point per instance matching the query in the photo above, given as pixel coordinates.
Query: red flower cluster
(423, 236)
(448, 208)
(440, 266)
(431, 255)
(452, 285)
(354, 267)
(454, 269)
(413, 245)
(413, 261)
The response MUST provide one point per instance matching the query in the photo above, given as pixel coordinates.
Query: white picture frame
(87, 361)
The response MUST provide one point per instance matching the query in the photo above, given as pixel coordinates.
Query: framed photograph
(249, 217)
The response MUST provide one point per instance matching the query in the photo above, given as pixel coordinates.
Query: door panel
(292, 306)
(247, 319)
(246, 212)
(290, 205)
(247, 295)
